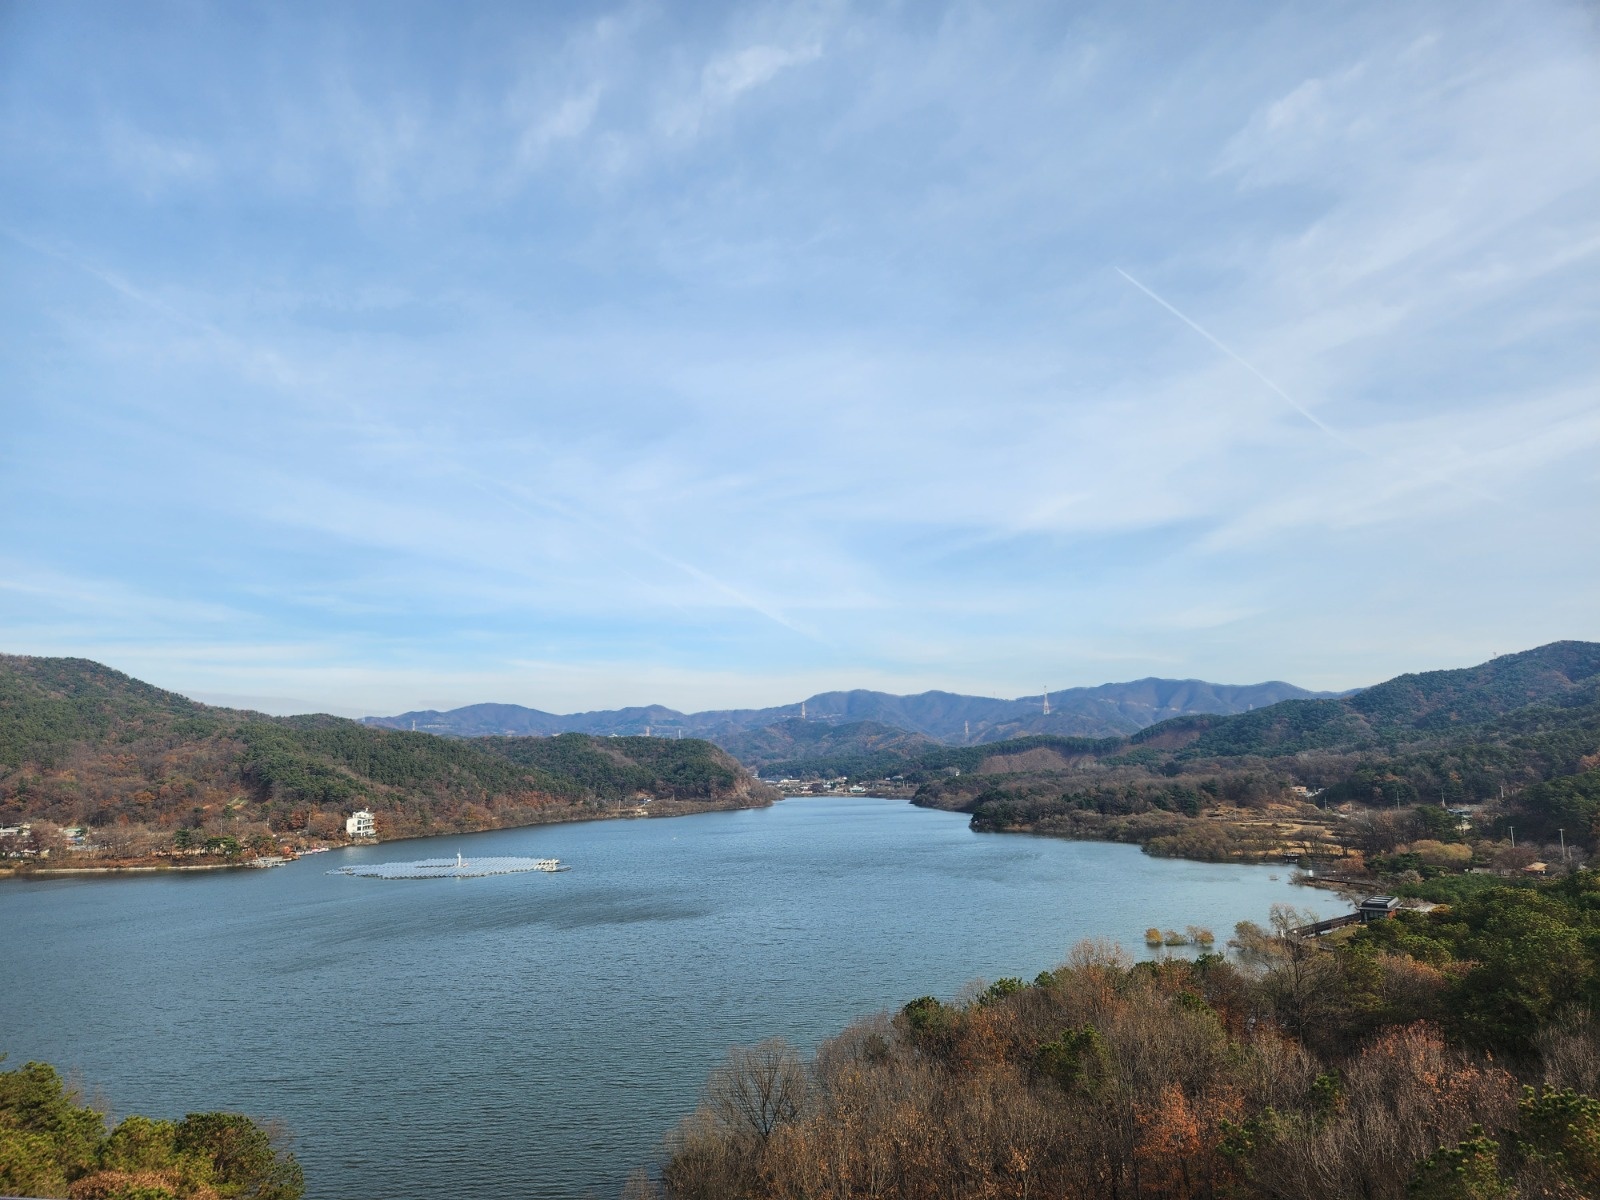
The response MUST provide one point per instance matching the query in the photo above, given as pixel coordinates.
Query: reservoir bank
(535, 1035)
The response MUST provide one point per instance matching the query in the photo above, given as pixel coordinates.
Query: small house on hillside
(1377, 908)
(1536, 868)
(361, 825)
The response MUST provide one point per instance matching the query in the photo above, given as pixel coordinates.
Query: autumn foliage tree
(1166, 1080)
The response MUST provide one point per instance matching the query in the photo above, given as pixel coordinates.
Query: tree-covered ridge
(1528, 695)
(918, 765)
(321, 758)
(48, 705)
(1443, 1056)
(1508, 731)
(1439, 699)
(778, 748)
(86, 745)
(620, 768)
(52, 1146)
(1533, 768)
(1408, 708)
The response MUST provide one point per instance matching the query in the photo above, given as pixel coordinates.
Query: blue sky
(366, 358)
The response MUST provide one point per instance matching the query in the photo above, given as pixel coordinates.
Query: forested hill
(1109, 709)
(1430, 707)
(1524, 726)
(83, 744)
(856, 745)
(1406, 709)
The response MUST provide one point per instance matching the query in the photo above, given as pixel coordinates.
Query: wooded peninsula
(1499, 764)
(158, 777)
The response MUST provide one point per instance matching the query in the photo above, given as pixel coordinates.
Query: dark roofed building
(1377, 908)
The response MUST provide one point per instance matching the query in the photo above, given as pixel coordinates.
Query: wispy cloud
(566, 354)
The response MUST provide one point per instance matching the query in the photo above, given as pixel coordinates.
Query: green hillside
(622, 767)
(83, 744)
(1407, 709)
(916, 762)
(789, 747)
(1525, 727)
(49, 705)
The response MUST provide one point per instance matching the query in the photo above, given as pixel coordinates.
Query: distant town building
(360, 825)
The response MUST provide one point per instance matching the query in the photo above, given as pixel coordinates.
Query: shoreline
(630, 814)
(1277, 856)
(679, 808)
(1346, 890)
(149, 870)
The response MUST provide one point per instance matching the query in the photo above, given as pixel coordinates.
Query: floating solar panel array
(450, 868)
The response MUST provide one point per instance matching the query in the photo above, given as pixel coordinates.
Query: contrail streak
(1342, 439)
(1248, 366)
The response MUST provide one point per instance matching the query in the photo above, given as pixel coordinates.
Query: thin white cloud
(728, 75)
(636, 341)
(570, 119)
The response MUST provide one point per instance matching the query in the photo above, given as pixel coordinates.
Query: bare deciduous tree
(757, 1088)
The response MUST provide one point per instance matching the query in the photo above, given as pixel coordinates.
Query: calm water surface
(536, 1035)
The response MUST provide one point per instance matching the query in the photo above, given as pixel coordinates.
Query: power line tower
(1047, 702)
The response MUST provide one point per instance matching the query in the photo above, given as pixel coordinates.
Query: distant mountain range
(1107, 710)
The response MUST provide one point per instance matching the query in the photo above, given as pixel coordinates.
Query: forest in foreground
(52, 1145)
(1450, 1055)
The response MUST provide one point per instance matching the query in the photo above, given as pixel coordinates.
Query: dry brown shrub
(1403, 1097)
(1569, 1052)
(108, 1185)
(1442, 854)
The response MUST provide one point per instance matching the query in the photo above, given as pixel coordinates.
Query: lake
(535, 1035)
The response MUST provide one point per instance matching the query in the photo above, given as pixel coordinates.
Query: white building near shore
(360, 825)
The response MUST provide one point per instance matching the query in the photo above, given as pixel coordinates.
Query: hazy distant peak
(1103, 710)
